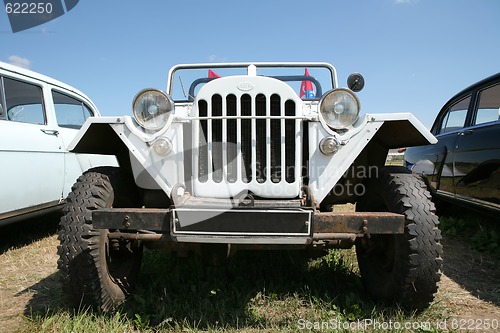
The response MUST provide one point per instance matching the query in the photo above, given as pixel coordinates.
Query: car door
(477, 150)
(31, 155)
(452, 122)
(71, 112)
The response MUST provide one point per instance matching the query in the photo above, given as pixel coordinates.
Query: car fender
(389, 131)
(132, 147)
(120, 137)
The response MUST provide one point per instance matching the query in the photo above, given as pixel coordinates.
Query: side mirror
(356, 82)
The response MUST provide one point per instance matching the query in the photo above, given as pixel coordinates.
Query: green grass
(481, 232)
(274, 291)
(255, 291)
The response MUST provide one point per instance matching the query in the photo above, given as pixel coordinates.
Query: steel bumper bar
(245, 225)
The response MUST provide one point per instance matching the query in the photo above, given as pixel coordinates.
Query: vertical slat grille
(260, 139)
(232, 140)
(246, 138)
(275, 139)
(263, 147)
(202, 142)
(290, 128)
(216, 138)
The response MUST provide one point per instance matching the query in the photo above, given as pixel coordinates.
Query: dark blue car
(464, 166)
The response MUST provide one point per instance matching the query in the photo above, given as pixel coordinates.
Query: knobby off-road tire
(97, 272)
(406, 268)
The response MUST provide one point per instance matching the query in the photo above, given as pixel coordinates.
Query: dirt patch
(470, 285)
(21, 270)
(28, 265)
(469, 288)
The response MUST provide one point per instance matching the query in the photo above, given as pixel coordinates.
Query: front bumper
(244, 225)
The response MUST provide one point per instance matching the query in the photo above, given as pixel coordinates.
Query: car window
(24, 102)
(489, 105)
(70, 112)
(2, 103)
(455, 117)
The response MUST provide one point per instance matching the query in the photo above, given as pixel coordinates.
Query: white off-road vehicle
(241, 156)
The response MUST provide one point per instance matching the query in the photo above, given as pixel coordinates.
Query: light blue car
(39, 117)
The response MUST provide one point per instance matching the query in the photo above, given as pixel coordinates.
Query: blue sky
(414, 54)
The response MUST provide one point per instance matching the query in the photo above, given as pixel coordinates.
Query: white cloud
(216, 58)
(19, 61)
(402, 2)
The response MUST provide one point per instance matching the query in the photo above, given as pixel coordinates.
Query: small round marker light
(329, 146)
(163, 147)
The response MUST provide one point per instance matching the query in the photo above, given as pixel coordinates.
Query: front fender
(387, 131)
(120, 137)
(399, 130)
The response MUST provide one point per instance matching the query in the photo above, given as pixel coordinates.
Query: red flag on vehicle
(306, 88)
(212, 74)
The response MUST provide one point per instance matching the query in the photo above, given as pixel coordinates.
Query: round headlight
(339, 108)
(152, 109)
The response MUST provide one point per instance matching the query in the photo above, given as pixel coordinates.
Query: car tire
(95, 271)
(403, 268)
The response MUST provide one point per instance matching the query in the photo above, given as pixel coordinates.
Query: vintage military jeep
(240, 156)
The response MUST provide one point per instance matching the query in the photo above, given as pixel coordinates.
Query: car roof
(37, 76)
(463, 93)
(485, 81)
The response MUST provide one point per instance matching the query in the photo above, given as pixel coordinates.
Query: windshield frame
(324, 65)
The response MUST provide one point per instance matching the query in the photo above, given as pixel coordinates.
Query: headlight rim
(168, 99)
(322, 101)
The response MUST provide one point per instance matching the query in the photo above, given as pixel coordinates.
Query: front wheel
(402, 268)
(96, 271)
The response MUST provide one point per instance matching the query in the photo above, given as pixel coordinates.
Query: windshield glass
(309, 82)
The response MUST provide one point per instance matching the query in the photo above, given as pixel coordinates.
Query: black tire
(403, 269)
(95, 272)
